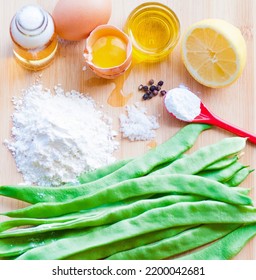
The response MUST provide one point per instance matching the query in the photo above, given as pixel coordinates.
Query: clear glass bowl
(154, 30)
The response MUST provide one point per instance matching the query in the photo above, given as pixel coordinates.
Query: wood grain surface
(235, 103)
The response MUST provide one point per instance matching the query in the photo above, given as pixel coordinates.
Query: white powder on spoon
(57, 136)
(183, 104)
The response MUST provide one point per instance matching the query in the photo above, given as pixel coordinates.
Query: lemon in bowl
(214, 52)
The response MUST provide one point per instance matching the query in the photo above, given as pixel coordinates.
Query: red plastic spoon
(207, 117)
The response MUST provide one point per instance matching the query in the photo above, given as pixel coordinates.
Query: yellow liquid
(108, 51)
(36, 59)
(154, 30)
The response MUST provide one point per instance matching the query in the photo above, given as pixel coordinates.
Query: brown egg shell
(74, 20)
(106, 30)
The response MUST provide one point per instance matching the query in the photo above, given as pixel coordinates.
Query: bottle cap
(31, 20)
(32, 27)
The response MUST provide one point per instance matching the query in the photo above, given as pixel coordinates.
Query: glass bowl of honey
(154, 30)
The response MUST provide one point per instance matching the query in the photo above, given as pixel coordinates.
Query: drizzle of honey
(117, 98)
(152, 144)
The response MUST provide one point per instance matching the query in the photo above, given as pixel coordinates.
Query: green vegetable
(107, 215)
(101, 172)
(238, 177)
(148, 185)
(166, 152)
(173, 245)
(101, 252)
(222, 163)
(13, 247)
(225, 248)
(222, 175)
(158, 205)
(180, 214)
(200, 159)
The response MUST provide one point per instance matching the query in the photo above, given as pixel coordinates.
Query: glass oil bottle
(34, 39)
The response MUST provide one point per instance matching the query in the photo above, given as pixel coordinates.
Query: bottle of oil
(34, 39)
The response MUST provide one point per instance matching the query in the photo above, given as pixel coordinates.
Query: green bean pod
(180, 214)
(222, 163)
(13, 247)
(227, 247)
(99, 173)
(107, 215)
(148, 185)
(238, 177)
(173, 245)
(101, 252)
(166, 152)
(203, 157)
(222, 175)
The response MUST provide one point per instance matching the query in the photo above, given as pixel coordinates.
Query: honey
(154, 30)
(108, 51)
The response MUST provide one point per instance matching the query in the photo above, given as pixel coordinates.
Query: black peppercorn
(152, 88)
(151, 95)
(163, 92)
(151, 82)
(155, 92)
(140, 87)
(145, 96)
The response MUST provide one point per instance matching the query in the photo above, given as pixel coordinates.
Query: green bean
(204, 157)
(239, 177)
(101, 172)
(11, 247)
(180, 214)
(5, 225)
(222, 163)
(106, 216)
(227, 247)
(25, 243)
(149, 185)
(241, 190)
(16, 222)
(222, 175)
(173, 245)
(105, 251)
(166, 152)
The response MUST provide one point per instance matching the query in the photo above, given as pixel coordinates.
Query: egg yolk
(108, 51)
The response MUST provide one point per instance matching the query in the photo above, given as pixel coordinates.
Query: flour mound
(56, 136)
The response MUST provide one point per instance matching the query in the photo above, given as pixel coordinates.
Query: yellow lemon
(214, 52)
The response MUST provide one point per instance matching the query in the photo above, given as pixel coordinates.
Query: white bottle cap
(32, 27)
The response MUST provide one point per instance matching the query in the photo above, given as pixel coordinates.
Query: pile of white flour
(57, 136)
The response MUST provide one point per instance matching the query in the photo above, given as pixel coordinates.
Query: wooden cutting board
(235, 103)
